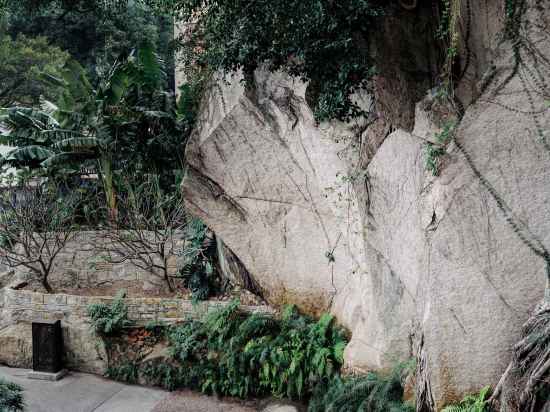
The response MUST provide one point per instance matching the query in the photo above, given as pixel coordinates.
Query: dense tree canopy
(324, 42)
(94, 32)
(125, 121)
(122, 101)
(23, 62)
(321, 41)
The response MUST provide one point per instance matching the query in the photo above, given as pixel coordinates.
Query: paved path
(79, 392)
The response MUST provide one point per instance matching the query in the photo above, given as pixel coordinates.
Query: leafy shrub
(128, 372)
(371, 393)
(23, 61)
(435, 151)
(11, 397)
(110, 319)
(231, 353)
(200, 253)
(171, 377)
(156, 327)
(471, 403)
(321, 41)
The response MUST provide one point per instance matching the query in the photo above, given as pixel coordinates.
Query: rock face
(273, 186)
(412, 264)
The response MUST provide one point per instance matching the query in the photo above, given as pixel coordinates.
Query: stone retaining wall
(20, 305)
(84, 350)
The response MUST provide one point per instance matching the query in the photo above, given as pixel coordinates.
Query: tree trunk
(167, 278)
(106, 171)
(46, 284)
(523, 384)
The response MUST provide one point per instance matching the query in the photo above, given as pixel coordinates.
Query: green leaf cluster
(128, 372)
(434, 151)
(472, 403)
(199, 262)
(11, 397)
(245, 355)
(125, 122)
(24, 59)
(95, 32)
(373, 392)
(324, 42)
(110, 319)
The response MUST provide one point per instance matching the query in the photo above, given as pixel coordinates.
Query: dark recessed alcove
(47, 346)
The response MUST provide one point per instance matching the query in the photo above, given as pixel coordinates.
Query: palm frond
(28, 153)
(150, 64)
(61, 159)
(77, 143)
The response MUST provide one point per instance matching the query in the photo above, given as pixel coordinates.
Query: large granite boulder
(274, 188)
(413, 264)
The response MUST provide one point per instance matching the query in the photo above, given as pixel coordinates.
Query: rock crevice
(371, 235)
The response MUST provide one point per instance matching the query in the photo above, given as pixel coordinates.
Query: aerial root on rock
(525, 385)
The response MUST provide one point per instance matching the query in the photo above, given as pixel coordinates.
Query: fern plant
(110, 319)
(198, 271)
(370, 393)
(236, 354)
(11, 397)
(127, 372)
(472, 403)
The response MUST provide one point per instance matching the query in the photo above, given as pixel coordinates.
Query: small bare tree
(35, 226)
(148, 227)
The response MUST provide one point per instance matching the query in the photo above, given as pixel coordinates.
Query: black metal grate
(47, 347)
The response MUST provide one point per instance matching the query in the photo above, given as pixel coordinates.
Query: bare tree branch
(35, 226)
(147, 229)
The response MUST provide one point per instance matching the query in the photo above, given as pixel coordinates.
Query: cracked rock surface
(397, 255)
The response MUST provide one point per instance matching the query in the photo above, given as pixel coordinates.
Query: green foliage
(110, 319)
(11, 397)
(435, 151)
(514, 9)
(200, 254)
(156, 327)
(128, 372)
(231, 353)
(190, 97)
(472, 403)
(321, 41)
(94, 32)
(170, 376)
(449, 34)
(126, 122)
(24, 60)
(371, 393)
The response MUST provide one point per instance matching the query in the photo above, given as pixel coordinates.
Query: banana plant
(117, 124)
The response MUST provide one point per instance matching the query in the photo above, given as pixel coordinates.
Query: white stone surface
(47, 376)
(415, 256)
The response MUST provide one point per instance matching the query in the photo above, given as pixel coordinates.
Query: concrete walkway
(79, 392)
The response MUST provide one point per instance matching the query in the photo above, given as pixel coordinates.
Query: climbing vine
(525, 381)
(449, 33)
